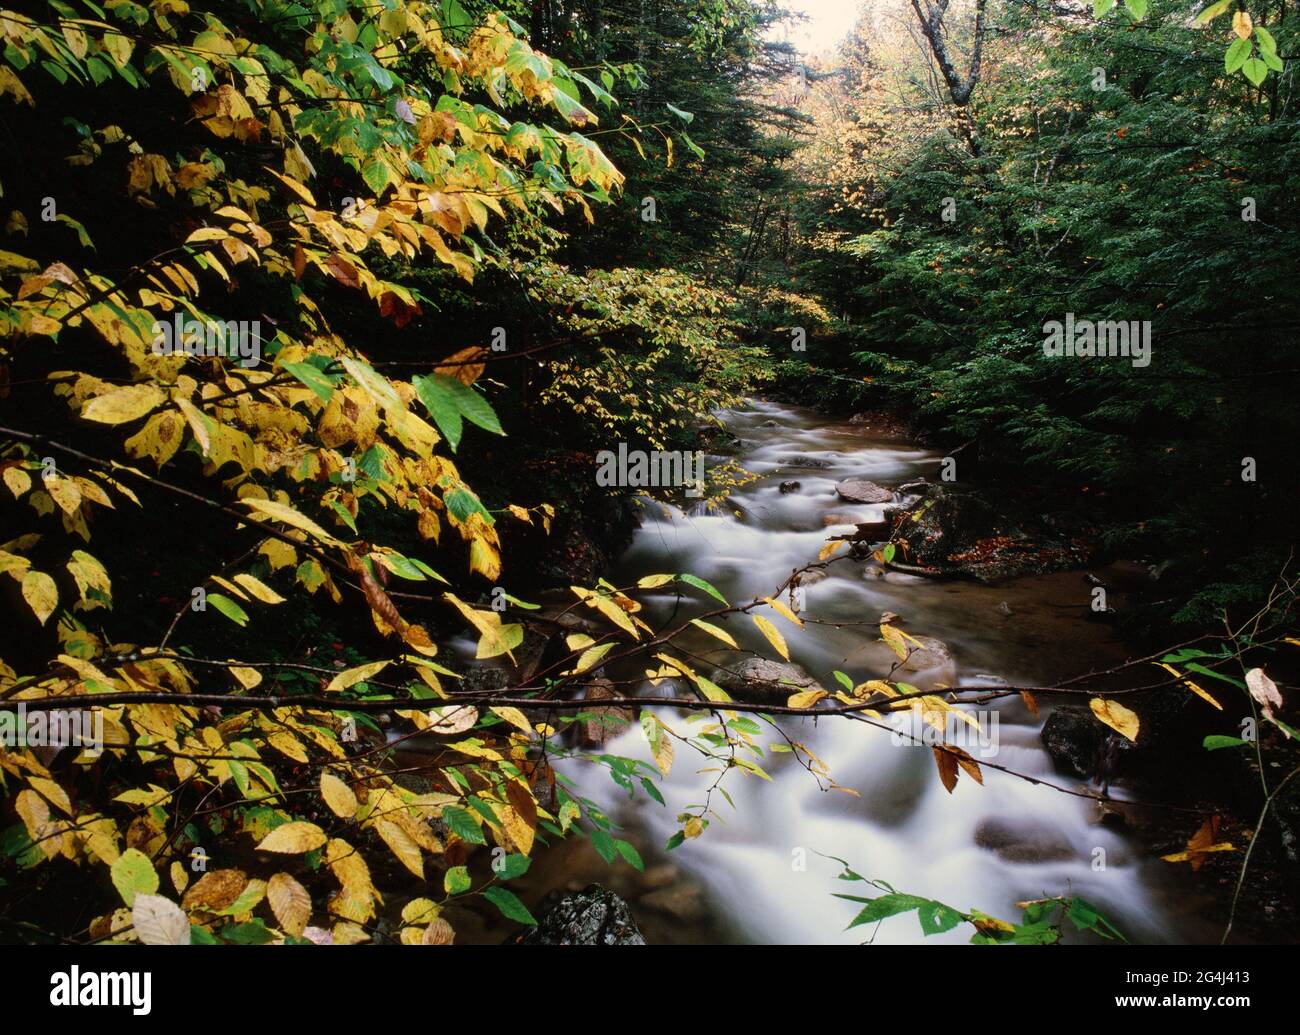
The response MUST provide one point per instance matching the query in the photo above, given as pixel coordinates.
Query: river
(756, 874)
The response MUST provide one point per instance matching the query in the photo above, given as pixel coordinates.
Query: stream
(756, 875)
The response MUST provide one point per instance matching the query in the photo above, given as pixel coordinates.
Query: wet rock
(859, 490)
(682, 901)
(1015, 843)
(789, 487)
(581, 550)
(717, 440)
(834, 518)
(933, 656)
(770, 424)
(594, 916)
(760, 681)
(605, 723)
(1074, 739)
(807, 463)
(960, 533)
(1004, 609)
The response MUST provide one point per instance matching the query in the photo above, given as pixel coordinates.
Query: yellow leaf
(34, 813)
(894, 637)
(289, 902)
(199, 424)
(1194, 688)
(1122, 720)
(591, 656)
(352, 676)
(293, 839)
(338, 796)
(66, 493)
(18, 480)
(715, 632)
(401, 845)
(655, 581)
(41, 594)
(1242, 24)
(784, 611)
(248, 677)
(288, 745)
(830, 549)
(494, 638)
(514, 716)
(773, 635)
(289, 181)
(661, 743)
(124, 404)
(286, 514)
(806, 698)
(259, 589)
(52, 792)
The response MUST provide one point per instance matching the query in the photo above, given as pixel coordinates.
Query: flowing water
(985, 847)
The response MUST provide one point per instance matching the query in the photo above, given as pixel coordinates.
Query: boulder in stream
(952, 532)
(1073, 737)
(605, 723)
(807, 463)
(1020, 843)
(594, 916)
(859, 490)
(760, 681)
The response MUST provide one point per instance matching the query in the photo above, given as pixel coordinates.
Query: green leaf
(462, 824)
(1101, 7)
(473, 407)
(442, 408)
(630, 855)
(886, 906)
(255, 932)
(685, 116)
(312, 378)
(1255, 70)
(1202, 670)
(1213, 11)
(344, 515)
(1137, 8)
(1236, 55)
(699, 583)
(508, 867)
(228, 608)
(133, 874)
(1214, 743)
(510, 906)
(456, 881)
(604, 845)
(376, 172)
(936, 918)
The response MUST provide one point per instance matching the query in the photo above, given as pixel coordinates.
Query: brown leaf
(462, 365)
(214, 891)
(947, 764)
(342, 270)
